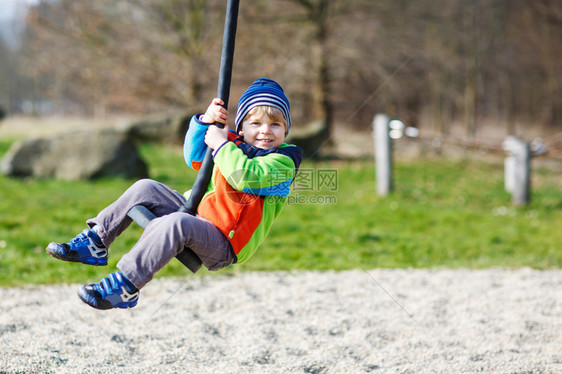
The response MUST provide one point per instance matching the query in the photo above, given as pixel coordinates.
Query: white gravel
(381, 321)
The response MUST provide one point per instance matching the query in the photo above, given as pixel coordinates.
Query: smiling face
(264, 127)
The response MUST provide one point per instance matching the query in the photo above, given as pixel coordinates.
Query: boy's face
(262, 132)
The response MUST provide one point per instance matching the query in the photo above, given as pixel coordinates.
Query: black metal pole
(141, 214)
(223, 92)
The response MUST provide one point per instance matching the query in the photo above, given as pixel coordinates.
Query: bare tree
(433, 63)
(7, 69)
(124, 55)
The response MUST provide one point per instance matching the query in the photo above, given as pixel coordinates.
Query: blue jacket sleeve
(194, 147)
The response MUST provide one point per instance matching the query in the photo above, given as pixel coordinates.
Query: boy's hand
(215, 136)
(215, 112)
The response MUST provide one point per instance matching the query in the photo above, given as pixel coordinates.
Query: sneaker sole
(89, 261)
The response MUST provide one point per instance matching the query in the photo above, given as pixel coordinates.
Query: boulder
(76, 155)
(160, 128)
(311, 138)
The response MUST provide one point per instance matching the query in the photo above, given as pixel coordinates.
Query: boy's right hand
(215, 112)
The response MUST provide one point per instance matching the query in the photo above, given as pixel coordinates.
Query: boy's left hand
(216, 112)
(215, 136)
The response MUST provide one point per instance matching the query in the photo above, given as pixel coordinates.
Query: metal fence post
(383, 154)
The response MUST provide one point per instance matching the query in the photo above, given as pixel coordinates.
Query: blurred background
(460, 76)
(454, 69)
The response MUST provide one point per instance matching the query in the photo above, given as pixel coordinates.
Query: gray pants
(165, 236)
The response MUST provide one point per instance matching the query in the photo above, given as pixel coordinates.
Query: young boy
(253, 169)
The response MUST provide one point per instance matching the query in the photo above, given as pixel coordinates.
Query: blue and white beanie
(263, 91)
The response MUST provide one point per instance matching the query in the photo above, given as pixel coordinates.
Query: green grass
(441, 214)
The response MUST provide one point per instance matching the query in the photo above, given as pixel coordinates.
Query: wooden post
(383, 154)
(518, 170)
(509, 165)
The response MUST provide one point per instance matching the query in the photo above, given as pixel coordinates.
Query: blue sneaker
(86, 248)
(114, 291)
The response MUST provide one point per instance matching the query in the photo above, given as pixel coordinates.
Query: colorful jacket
(248, 188)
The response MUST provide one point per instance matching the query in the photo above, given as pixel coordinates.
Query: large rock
(311, 138)
(160, 128)
(76, 155)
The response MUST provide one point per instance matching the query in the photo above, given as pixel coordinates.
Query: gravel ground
(381, 321)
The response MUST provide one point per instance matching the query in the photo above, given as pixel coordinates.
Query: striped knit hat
(263, 92)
